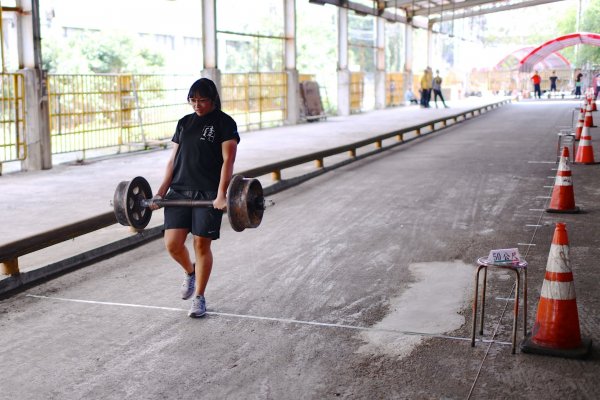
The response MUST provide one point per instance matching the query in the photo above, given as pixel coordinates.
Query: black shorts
(200, 221)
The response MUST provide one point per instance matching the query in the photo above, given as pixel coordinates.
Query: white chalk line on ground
(282, 320)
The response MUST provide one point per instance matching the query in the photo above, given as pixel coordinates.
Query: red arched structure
(513, 61)
(551, 46)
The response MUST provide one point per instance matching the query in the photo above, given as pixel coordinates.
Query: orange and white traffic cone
(588, 120)
(563, 197)
(585, 151)
(556, 329)
(579, 126)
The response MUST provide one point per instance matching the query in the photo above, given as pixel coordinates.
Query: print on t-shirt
(208, 133)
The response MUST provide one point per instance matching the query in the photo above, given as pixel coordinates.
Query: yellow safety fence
(357, 88)
(127, 111)
(100, 111)
(394, 82)
(255, 100)
(12, 118)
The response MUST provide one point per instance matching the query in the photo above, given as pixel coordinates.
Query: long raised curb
(26, 279)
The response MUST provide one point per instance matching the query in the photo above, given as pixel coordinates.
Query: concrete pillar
(430, 45)
(380, 65)
(293, 97)
(408, 57)
(342, 71)
(209, 33)
(37, 130)
(209, 42)
(214, 74)
(293, 77)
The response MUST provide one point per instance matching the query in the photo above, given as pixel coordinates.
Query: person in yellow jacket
(426, 85)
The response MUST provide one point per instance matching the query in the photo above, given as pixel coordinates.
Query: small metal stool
(483, 263)
(565, 138)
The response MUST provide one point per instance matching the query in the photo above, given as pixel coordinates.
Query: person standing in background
(536, 79)
(553, 79)
(578, 85)
(437, 89)
(426, 84)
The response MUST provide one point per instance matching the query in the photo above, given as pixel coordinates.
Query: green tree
(60, 56)
(361, 40)
(590, 22)
(565, 26)
(96, 52)
(243, 53)
(110, 54)
(394, 47)
(317, 48)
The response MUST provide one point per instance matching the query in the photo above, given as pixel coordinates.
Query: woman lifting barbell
(200, 168)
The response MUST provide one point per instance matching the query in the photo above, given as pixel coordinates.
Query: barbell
(245, 203)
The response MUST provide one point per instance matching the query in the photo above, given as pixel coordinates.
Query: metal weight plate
(120, 203)
(245, 203)
(127, 203)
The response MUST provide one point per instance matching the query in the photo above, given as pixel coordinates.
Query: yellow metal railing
(357, 88)
(101, 111)
(98, 111)
(12, 118)
(255, 100)
(307, 77)
(394, 82)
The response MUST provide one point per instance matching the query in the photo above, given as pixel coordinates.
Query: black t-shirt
(199, 157)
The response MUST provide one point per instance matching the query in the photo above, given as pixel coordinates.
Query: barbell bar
(245, 203)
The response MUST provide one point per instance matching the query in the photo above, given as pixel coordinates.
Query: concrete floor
(357, 285)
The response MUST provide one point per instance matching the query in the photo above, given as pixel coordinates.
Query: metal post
(2, 41)
(408, 56)
(474, 316)
(209, 33)
(430, 46)
(516, 310)
(39, 154)
(293, 77)
(525, 303)
(209, 42)
(342, 70)
(380, 67)
(483, 299)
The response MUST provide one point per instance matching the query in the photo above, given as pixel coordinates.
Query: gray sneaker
(198, 307)
(188, 286)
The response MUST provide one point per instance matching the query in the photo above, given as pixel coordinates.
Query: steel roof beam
(361, 9)
(389, 9)
(465, 12)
